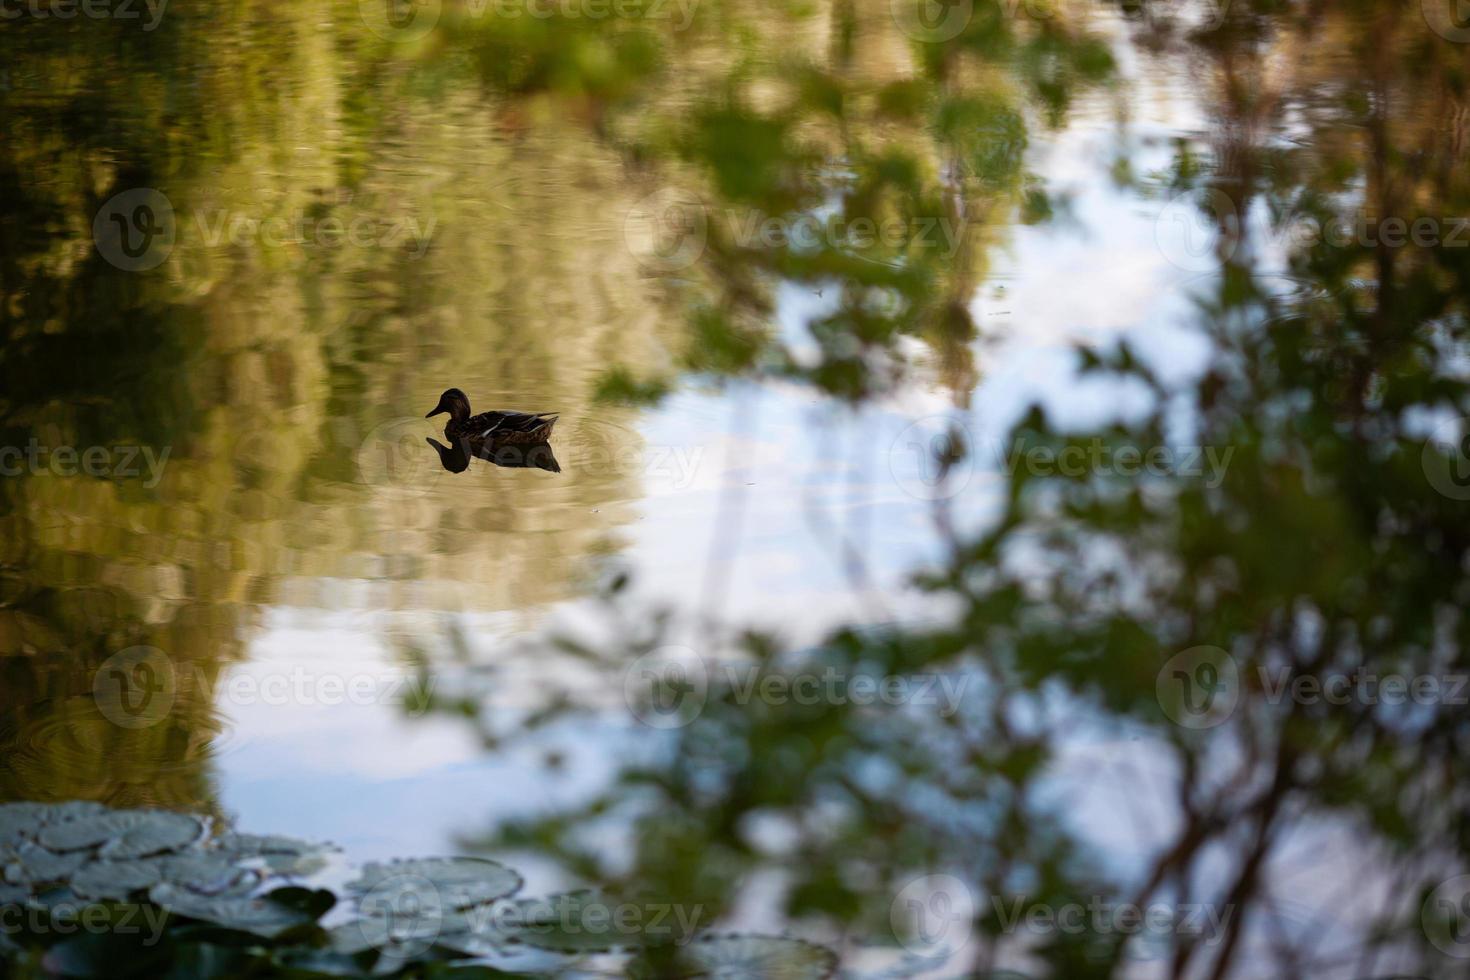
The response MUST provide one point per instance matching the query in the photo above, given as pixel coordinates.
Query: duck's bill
(437, 411)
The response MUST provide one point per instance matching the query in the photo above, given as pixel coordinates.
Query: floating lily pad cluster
(234, 903)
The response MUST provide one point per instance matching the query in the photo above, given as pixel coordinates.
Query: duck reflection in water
(456, 458)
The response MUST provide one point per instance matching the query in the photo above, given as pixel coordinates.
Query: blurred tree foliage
(1329, 551)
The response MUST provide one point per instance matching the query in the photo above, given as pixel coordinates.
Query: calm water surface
(300, 544)
(357, 225)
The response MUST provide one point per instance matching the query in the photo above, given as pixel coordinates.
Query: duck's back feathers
(510, 428)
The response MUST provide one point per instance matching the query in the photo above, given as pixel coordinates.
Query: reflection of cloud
(427, 806)
(371, 743)
(327, 730)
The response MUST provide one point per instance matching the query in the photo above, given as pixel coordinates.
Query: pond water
(246, 247)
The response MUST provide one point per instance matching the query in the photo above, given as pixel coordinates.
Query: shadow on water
(456, 458)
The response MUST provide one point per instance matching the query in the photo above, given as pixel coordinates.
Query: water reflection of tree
(1326, 552)
(260, 366)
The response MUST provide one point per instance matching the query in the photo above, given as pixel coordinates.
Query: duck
(493, 428)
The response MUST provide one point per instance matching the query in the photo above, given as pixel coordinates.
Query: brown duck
(495, 428)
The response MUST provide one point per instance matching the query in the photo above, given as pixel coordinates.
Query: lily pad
(203, 872)
(382, 932)
(750, 957)
(254, 915)
(71, 810)
(432, 886)
(20, 820)
(60, 901)
(207, 872)
(281, 855)
(115, 880)
(572, 922)
(32, 864)
(125, 833)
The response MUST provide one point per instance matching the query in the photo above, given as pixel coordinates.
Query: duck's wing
(502, 423)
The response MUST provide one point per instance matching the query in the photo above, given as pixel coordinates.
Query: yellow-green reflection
(325, 220)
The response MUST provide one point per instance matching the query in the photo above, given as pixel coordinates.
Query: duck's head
(455, 403)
